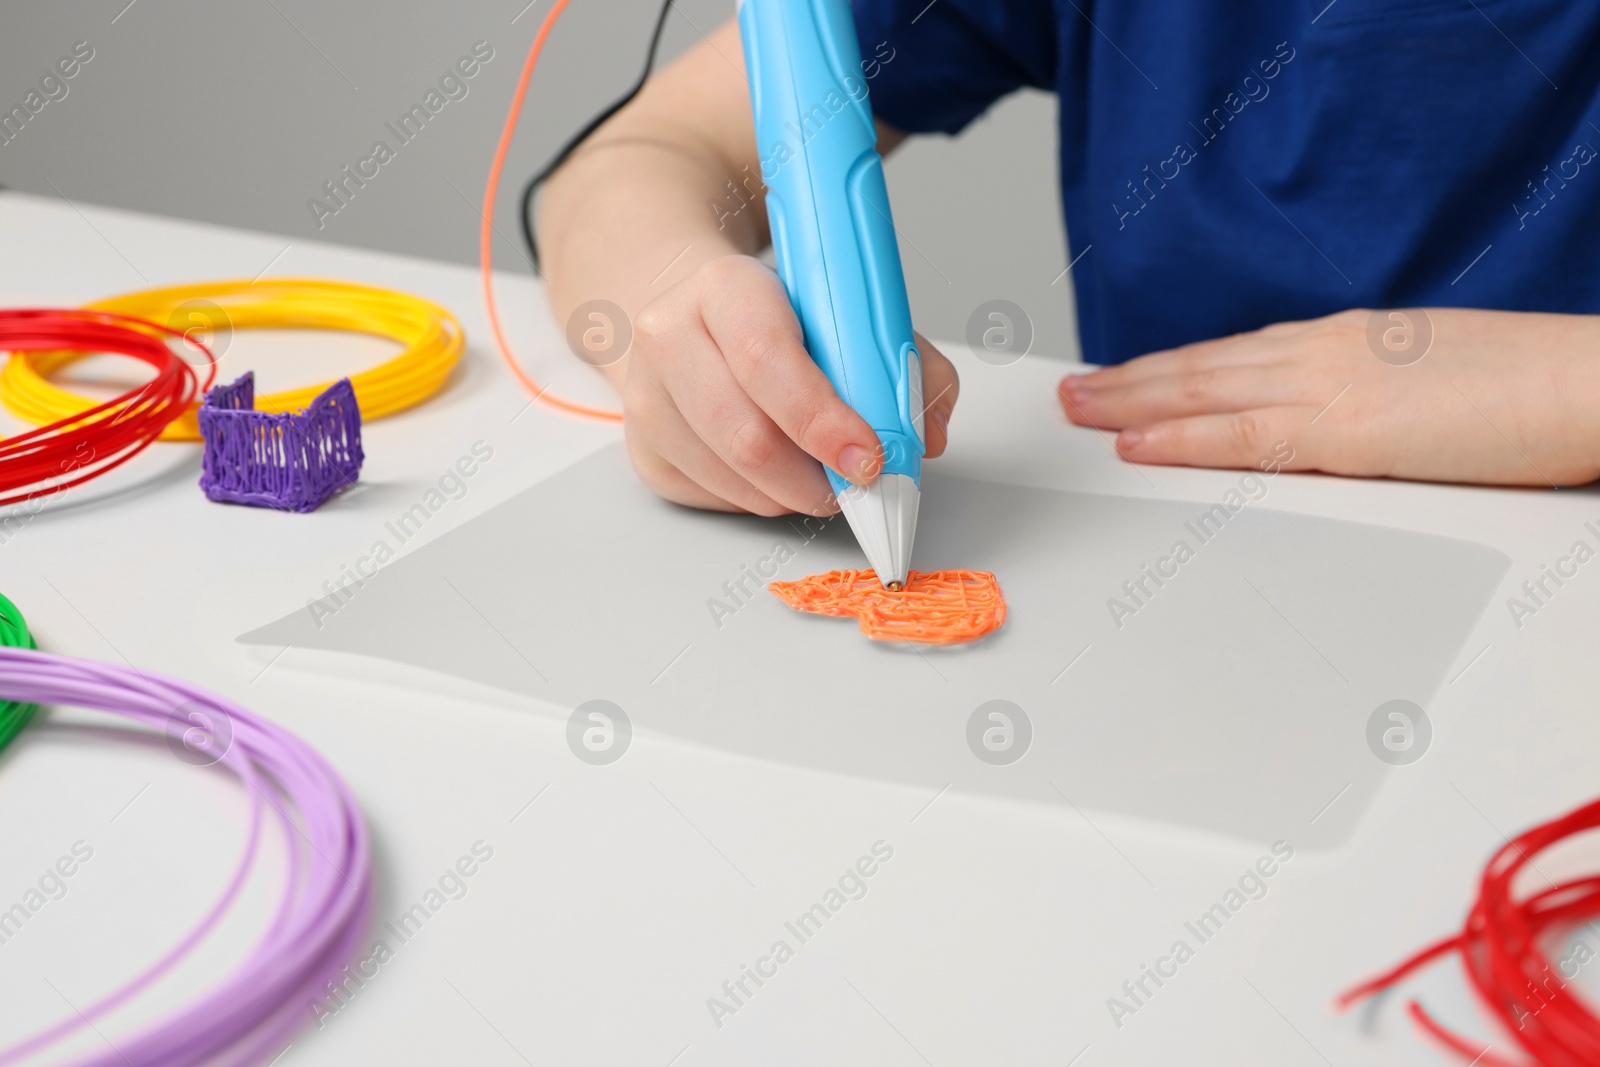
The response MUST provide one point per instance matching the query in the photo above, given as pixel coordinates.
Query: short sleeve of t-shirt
(934, 67)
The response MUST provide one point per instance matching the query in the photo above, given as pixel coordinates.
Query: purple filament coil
(321, 915)
(292, 461)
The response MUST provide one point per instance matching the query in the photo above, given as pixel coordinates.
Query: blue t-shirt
(1226, 164)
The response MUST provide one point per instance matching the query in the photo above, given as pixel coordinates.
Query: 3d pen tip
(883, 516)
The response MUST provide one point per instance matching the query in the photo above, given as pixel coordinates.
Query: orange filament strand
(935, 607)
(486, 237)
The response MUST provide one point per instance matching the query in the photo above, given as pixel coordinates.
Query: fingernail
(1129, 439)
(855, 463)
(1077, 384)
(941, 419)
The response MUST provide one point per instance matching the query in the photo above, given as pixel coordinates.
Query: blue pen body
(832, 232)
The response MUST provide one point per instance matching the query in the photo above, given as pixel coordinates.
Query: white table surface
(625, 895)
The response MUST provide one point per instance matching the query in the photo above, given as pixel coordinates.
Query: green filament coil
(13, 634)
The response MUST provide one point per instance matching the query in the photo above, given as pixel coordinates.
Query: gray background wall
(238, 111)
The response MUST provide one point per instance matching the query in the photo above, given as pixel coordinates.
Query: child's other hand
(725, 410)
(1503, 398)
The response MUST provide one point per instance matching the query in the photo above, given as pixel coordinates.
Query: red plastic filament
(48, 459)
(1502, 951)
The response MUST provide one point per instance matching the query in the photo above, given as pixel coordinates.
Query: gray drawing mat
(1236, 699)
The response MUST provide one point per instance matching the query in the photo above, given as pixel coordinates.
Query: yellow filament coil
(431, 338)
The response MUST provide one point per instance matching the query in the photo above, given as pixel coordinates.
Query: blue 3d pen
(835, 247)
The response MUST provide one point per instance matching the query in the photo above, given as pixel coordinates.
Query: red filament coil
(1502, 950)
(68, 452)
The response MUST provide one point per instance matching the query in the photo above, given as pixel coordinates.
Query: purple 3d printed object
(292, 462)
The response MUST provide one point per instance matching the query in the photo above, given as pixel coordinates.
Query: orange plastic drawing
(935, 607)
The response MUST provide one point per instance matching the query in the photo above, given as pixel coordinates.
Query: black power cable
(528, 190)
